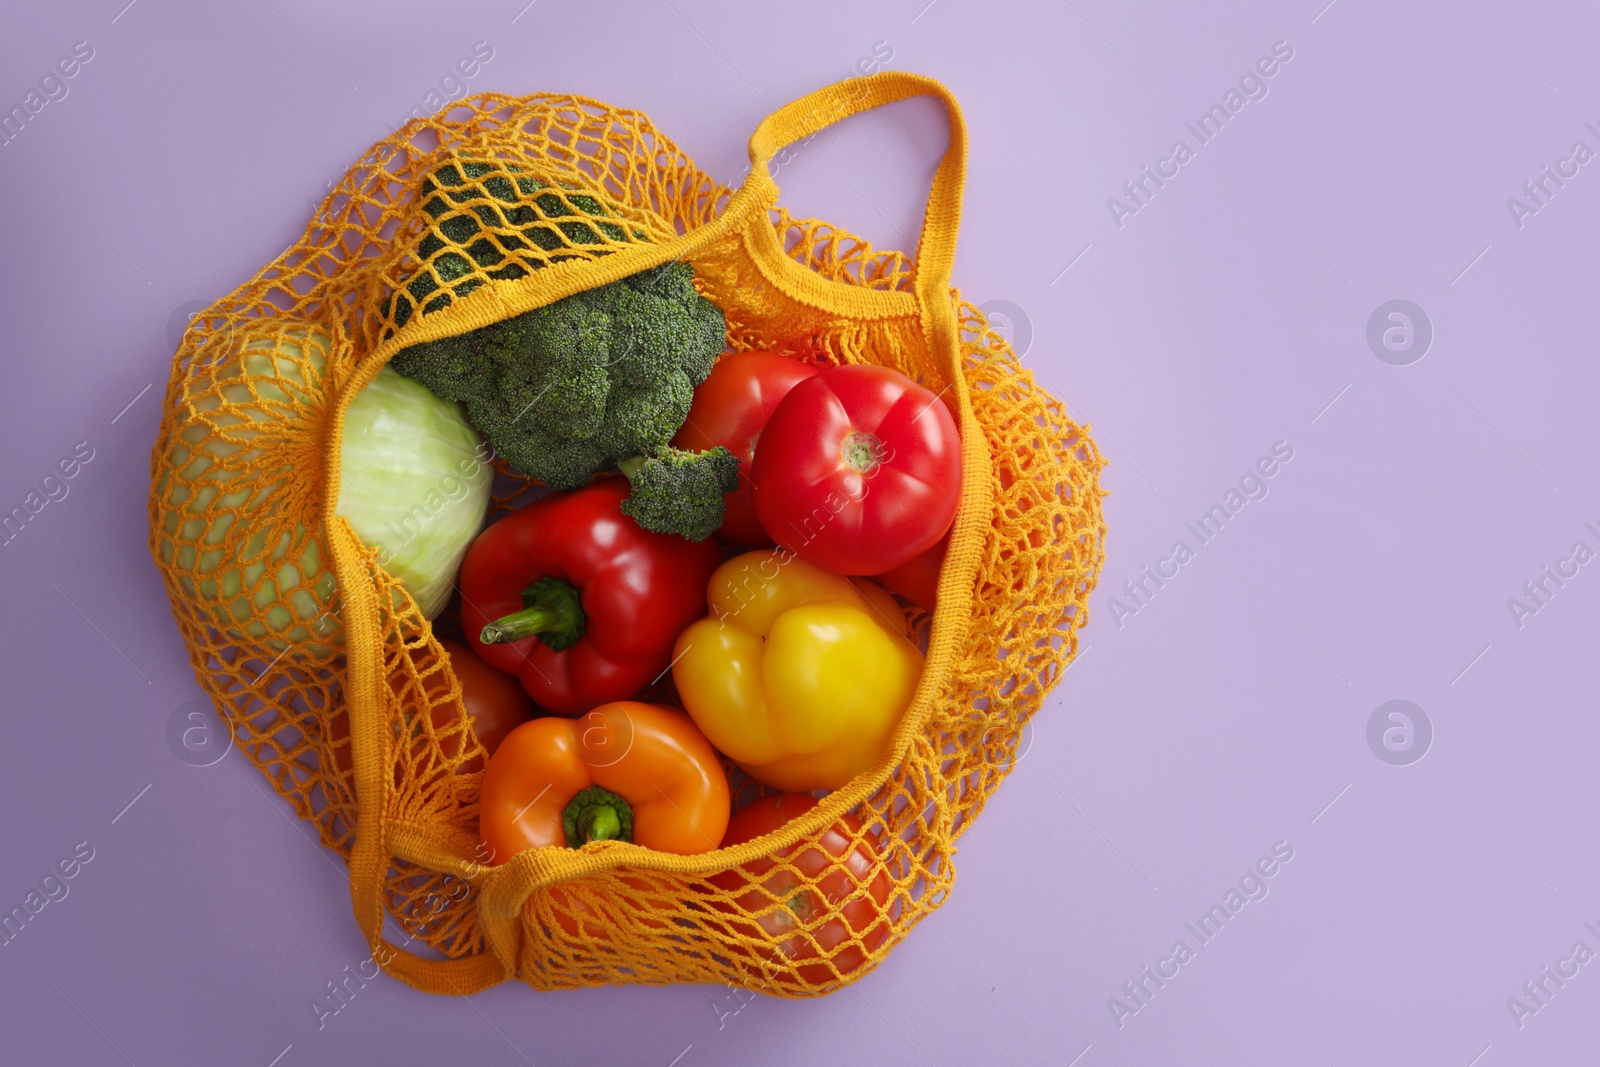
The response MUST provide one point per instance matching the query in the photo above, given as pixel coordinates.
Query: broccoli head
(680, 492)
(491, 216)
(565, 391)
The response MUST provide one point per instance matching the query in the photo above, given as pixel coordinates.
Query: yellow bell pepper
(797, 674)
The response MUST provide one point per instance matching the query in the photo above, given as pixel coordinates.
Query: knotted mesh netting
(335, 686)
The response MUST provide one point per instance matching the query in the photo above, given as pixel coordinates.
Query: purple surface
(1226, 714)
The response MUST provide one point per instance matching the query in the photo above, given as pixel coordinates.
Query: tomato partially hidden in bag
(730, 409)
(918, 579)
(858, 470)
(786, 896)
(494, 701)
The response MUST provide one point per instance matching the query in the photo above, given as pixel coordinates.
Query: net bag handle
(809, 115)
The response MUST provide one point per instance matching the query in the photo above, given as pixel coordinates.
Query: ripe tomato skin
(730, 408)
(861, 885)
(918, 579)
(494, 700)
(858, 470)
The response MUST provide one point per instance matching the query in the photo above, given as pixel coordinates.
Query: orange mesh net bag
(333, 682)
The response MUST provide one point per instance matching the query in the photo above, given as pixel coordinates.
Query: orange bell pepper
(626, 771)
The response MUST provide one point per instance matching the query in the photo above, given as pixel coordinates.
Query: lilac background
(1222, 717)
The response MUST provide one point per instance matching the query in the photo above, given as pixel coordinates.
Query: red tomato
(783, 903)
(730, 409)
(918, 579)
(494, 700)
(859, 470)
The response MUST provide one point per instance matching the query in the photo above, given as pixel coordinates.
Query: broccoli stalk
(680, 492)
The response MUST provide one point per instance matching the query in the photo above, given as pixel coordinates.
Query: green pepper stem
(599, 824)
(551, 611)
(597, 814)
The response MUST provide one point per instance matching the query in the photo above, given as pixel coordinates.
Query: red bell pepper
(577, 601)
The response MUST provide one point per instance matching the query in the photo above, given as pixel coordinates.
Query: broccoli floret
(680, 492)
(491, 214)
(568, 390)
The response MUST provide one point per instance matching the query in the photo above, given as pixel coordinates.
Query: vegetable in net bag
(339, 690)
